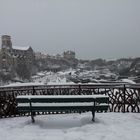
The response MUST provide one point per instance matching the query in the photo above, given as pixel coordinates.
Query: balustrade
(122, 97)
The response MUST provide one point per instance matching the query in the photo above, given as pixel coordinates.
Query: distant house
(69, 55)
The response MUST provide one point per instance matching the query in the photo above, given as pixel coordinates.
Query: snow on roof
(23, 84)
(59, 81)
(21, 48)
(128, 81)
(40, 74)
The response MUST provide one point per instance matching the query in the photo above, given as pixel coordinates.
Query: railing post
(33, 90)
(124, 90)
(79, 89)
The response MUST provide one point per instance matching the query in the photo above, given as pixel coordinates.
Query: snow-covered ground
(70, 76)
(17, 84)
(51, 78)
(108, 126)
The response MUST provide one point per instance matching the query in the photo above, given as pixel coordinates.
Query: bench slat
(63, 108)
(64, 100)
(102, 100)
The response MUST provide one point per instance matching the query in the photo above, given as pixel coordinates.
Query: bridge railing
(122, 97)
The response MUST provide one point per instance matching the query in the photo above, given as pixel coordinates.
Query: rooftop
(21, 48)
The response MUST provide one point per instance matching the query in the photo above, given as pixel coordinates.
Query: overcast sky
(92, 28)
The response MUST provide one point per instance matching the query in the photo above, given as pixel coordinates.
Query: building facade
(69, 55)
(13, 56)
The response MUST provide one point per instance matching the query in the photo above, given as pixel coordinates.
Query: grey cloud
(92, 28)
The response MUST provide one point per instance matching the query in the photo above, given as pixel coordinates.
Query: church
(13, 56)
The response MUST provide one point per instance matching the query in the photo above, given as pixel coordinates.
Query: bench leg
(93, 116)
(32, 117)
(32, 113)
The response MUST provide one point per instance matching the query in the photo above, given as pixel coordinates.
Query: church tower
(6, 42)
(5, 58)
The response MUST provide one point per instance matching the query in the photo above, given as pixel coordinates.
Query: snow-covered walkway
(108, 126)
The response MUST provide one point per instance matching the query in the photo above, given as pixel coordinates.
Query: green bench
(62, 103)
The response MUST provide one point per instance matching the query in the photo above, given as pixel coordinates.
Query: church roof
(21, 48)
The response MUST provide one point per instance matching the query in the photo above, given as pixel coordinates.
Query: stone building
(13, 56)
(69, 55)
